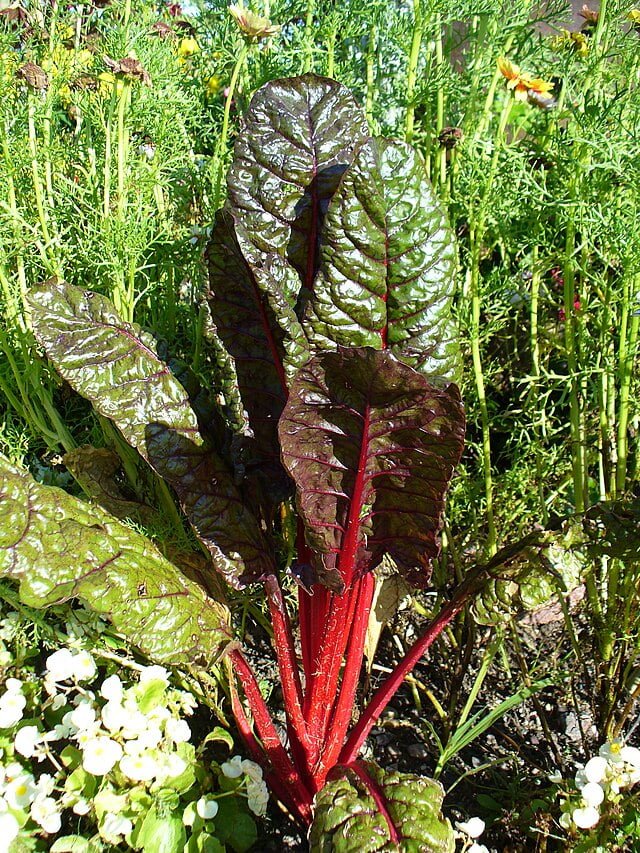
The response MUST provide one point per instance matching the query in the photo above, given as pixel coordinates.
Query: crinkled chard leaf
(59, 547)
(255, 321)
(299, 136)
(114, 365)
(213, 504)
(387, 263)
(371, 446)
(364, 809)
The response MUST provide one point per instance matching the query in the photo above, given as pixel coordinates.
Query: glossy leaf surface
(387, 263)
(371, 445)
(59, 547)
(298, 137)
(349, 816)
(110, 362)
(114, 365)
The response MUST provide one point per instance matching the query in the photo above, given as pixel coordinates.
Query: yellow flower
(251, 25)
(634, 17)
(187, 48)
(106, 81)
(523, 86)
(213, 86)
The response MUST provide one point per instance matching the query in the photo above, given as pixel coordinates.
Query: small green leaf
(363, 808)
(73, 844)
(150, 694)
(219, 734)
(161, 834)
(234, 827)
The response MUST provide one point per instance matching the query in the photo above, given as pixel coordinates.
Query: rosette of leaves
(330, 289)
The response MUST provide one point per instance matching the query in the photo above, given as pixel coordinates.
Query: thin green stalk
(441, 160)
(122, 147)
(221, 147)
(108, 131)
(371, 77)
(53, 267)
(330, 45)
(629, 322)
(307, 64)
(539, 413)
(412, 70)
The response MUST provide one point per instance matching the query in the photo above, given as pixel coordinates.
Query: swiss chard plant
(331, 274)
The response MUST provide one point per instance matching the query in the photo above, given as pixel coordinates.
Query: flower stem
(412, 69)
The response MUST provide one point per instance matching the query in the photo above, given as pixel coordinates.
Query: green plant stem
(108, 131)
(441, 159)
(477, 231)
(122, 147)
(539, 414)
(371, 77)
(221, 147)
(331, 51)
(412, 69)
(307, 64)
(22, 314)
(629, 322)
(53, 268)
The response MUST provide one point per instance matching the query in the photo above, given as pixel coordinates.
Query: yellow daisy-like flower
(251, 25)
(523, 85)
(634, 17)
(213, 86)
(187, 47)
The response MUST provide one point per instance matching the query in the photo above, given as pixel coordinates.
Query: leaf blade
(387, 263)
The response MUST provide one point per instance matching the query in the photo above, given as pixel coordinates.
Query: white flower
(172, 765)
(251, 769)
(258, 796)
(595, 769)
(207, 808)
(177, 730)
(139, 768)
(478, 848)
(13, 685)
(565, 820)
(20, 791)
(555, 777)
(83, 716)
(114, 826)
(114, 716)
(592, 794)
(135, 722)
(612, 751)
(44, 810)
(9, 626)
(188, 703)
(112, 689)
(631, 755)
(586, 818)
(82, 807)
(9, 828)
(61, 665)
(154, 673)
(58, 701)
(474, 827)
(27, 740)
(232, 769)
(45, 785)
(12, 705)
(101, 754)
(84, 666)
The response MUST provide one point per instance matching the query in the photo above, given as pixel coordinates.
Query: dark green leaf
(299, 135)
(114, 365)
(234, 827)
(111, 363)
(387, 263)
(349, 818)
(59, 548)
(371, 445)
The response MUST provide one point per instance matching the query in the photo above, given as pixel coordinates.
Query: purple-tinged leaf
(110, 362)
(371, 446)
(213, 504)
(114, 365)
(249, 300)
(59, 547)
(387, 264)
(363, 809)
(298, 137)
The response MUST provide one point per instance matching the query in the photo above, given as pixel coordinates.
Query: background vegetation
(116, 125)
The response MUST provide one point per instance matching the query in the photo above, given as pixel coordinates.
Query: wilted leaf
(298, 137)
(387, 263)
(371, 445)
(59, 548)
(389, 592)
(349, 815)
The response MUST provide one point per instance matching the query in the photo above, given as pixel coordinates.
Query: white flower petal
(586, 818)
(100, 755)
(595, 769)
(206, 808)
(474, 827)
(592, 794)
